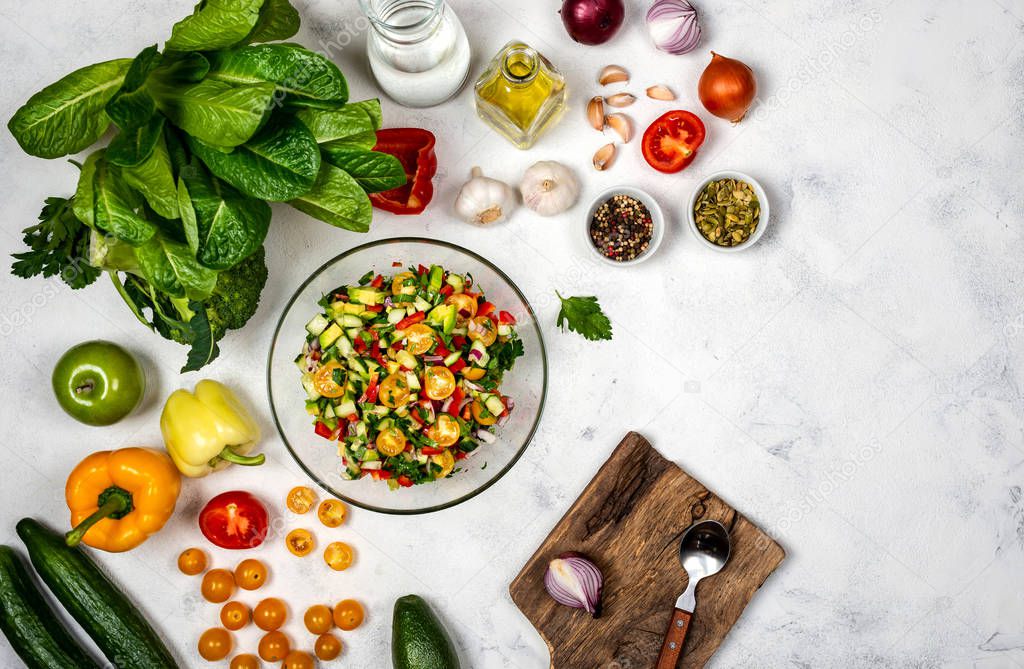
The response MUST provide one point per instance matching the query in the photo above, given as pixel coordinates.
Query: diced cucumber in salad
(404, 373)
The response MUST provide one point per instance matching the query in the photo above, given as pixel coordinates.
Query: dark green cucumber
(99, 606)
(30, 625)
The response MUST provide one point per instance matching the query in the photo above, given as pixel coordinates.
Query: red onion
(574, 580)
(445, 408)
(592, 21)
(673, 26)
(485, 436)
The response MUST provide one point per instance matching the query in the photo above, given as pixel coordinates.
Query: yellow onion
(727, 88)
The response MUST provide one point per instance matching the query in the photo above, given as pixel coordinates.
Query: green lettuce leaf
(213, 111)
(229, 226)
(336, 198)
(215, 24)
(303, 78)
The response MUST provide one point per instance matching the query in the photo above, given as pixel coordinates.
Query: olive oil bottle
(520, 94)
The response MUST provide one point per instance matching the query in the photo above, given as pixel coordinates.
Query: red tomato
(671, 142)
(234, 519)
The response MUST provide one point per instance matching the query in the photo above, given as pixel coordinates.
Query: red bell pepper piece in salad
(505, 318)
(414, 148)
(457, 365)
(410, 320)
(378, 281)
(372, 389)
(404, 481)
(324, 430)
(484, 309)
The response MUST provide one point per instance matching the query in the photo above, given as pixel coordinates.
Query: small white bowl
(657, 221)
(762, 222)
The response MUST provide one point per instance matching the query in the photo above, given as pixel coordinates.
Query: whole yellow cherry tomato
(300, 542)
(391, 441)
(297, 659)
(327, 647)
(482, 415)
(483, 329)
(235, 615)
(394, 390)
(445, 431)
(274, 646)
(215, 644)
(419, 338)
(250, 574)
(270, 614)
(338, 555)
(398, 286)
(348, 614)
(318, 619)
(300, 499)
(331, 512)
(218, 585)
(324, 381)
(245, 661)
(446, 461)
(463, 304)
(439, 382)
(192, 561)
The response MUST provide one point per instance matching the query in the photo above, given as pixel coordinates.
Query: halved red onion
(673, 26)
(574, 580)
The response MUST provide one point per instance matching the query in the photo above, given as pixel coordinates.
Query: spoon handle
(672, 647)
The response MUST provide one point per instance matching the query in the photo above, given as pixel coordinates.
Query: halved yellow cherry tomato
(483, 329)
(348, 614)
(327, 647)
(331, 512)
(324, 381)
(482, 415)
(462, 303)
(419, 338)
(338, 555)
(446, 461)
(473, 373)
(215, 644)
(300, 499)
(394, 390)
(445, 431)
(300, 542)
(398, 287)
(439, 382)
(192, 561)
(391, 441)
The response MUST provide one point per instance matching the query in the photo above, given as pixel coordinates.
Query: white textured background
(852, 384)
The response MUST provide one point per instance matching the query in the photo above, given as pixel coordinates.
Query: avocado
(365, 295)
(443, 315)
(418, 639)
(329, 336)
(435, 278)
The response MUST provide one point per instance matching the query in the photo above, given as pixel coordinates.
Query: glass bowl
(526, 383)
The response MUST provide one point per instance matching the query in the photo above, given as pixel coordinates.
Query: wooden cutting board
(630, 520)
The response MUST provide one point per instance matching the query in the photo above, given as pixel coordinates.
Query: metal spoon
(704, 550)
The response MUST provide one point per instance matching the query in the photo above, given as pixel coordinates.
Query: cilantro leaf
(58, 246)
(583, 315)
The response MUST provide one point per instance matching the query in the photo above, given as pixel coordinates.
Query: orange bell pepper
(118, 498)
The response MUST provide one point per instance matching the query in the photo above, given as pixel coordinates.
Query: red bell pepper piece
(427, 450)
(372, 389)
(383, 475)
(378, 281)
(404, 481)
(458, 341)
(484, 309)
(410, 320)
(359, 345)
(447, 290)
(323, 430)
(457, 365)
(375, 308)
(457, 397)
(505, 318)
(414, 148)
(441, 350)
(422, 269)
(460, 455)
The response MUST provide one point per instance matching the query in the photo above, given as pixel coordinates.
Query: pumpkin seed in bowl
(727, 212)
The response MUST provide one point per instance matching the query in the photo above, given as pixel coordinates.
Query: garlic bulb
(549, 188)
(483, 200)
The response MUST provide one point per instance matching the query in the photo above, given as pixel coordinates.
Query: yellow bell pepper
(118, 498)
(208, 429)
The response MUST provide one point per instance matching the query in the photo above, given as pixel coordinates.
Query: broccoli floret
(237, 294)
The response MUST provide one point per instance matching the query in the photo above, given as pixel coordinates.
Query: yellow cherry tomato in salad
(300, 499)
(327, 647)
(325, 383)
(300, 542)
(331, 512)
(215, 644)
(439, 382)
(398, 286)
(348, 614)
(235, 615)
(250, 574)
(394, 390)
(446, 461)
(270, 614)
(445, 431)
(297, 659)
(192, 561)
(218, 585)
(245, 661)
(419, 338)
(473, 373)
(318, 619)
(482, 415)
(482, 329)
(391, 441)
(338, 555)
(274, 646)
(465, 306)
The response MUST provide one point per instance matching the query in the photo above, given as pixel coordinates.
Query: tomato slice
(234, 520)
(671, 142)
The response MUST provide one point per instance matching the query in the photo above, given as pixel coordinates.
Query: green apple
(98, 382)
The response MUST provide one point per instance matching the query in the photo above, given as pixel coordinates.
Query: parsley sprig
(583, 315)
(58, 246)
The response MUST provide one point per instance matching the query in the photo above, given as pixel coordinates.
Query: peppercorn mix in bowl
(728, 211)
(623, 226)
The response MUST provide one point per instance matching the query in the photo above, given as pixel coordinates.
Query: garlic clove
(613, 74)
(595, 112)
(660, 92)
(620, 99)
(604, 157)
(621, 124)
